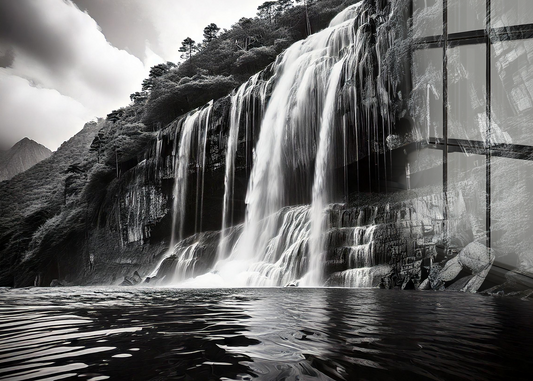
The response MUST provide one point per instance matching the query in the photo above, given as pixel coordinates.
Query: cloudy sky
(65, 62)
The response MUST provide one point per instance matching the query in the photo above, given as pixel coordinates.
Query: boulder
(55, 283)
(475, 257)
(439, 275)
(460, 284)
(126, 282)
(425, 285)
(136, 278)
(132, 280)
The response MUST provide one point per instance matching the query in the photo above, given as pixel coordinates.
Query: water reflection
(264, 334)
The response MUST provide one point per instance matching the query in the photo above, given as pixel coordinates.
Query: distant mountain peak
(23, 155)
(26, 140)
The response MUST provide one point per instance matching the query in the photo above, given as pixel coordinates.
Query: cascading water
(321, 195)
(299, 117)
(201, 166)
(182, 155)
(238, 103)
(320, 90)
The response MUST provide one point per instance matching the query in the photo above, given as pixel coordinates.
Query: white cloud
(151, 58)
(175, 20)
(40, 114)
(76, 67)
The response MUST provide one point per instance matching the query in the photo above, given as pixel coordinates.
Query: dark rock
(520, 277)
(475, 257)
(152, 280)
(132, 280)
(56, 283)
(460, 284)
(435, 280)
(126, 282)
(517, 282)
(136, 277)
(509, 289)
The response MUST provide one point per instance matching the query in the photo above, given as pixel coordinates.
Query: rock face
(23, 155)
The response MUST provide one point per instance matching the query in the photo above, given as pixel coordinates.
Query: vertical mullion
(489, 122)
(445, 117)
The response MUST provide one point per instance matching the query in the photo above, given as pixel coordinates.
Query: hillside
(32, 198)
(23, 155)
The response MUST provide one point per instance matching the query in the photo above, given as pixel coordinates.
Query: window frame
(486, 36)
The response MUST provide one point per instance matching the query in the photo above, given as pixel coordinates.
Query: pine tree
(307, 20)
(266, 10)
(210, 32)
(188, 47)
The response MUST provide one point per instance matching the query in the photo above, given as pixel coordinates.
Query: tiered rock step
(368, 243)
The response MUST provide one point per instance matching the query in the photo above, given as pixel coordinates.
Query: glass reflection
(426, 96)
(467, 92)
(466, 15)
(511, 12)
(426, 166)
(512, 212)
(466, 201)
(427, 18)
(512, 92)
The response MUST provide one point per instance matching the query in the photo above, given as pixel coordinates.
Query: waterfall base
(386, 241)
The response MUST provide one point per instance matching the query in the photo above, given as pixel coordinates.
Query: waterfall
(321, 195)
(201, 161)
(283, 261)
(182, 155)
(289, 131)
(238, 104)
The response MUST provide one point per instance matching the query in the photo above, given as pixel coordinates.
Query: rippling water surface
(265, 334)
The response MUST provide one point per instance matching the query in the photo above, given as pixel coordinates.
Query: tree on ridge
(210, 32)
(188, 47)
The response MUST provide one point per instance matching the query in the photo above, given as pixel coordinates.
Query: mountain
(23, 155)
(32, 201)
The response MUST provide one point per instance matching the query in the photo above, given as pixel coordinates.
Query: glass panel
(466, 92)
(512, 92)
(512, 212)
(426, 96)
(427, 18)
(425, 168)
(511, 12)
(465, 15)
(466, 199)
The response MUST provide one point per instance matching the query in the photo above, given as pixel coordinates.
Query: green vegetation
(210, 33)
(45, 196)
(188, 47)
(227, 58)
